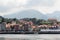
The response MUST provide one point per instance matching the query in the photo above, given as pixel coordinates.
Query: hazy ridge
(33, 14)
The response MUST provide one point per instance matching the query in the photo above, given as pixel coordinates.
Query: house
(52, 20)
(3, 26)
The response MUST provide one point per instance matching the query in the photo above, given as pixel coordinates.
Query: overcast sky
(44, 6)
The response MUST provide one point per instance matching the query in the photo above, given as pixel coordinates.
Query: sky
(44, 6)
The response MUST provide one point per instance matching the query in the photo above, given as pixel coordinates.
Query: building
(52, 20)
(3, 26)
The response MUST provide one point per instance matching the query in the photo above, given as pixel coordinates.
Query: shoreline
(47, 32)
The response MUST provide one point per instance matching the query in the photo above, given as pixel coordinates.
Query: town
(27, 24)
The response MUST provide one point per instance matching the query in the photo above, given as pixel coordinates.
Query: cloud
(40, 3)
(45, 6)
(9, 6)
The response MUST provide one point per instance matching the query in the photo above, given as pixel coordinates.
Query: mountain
(55, 15)
(33, 14)
(27, 14)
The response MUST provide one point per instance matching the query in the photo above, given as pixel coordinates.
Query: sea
(29, 36)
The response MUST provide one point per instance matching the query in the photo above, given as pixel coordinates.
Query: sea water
(29, 36)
